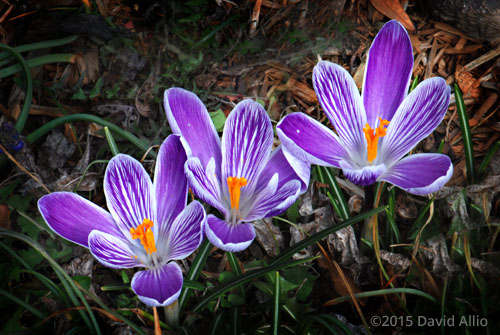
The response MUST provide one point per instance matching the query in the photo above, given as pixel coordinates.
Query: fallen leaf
(4, 216)
(393, 10)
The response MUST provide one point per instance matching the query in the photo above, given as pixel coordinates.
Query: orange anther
(372, 136)
(235, 184)
(144, 233)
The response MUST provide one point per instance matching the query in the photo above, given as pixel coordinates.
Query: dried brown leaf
(394, 10)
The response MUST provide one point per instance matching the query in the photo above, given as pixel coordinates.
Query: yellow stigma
(372, 136)
(145, 234)
(235, 184)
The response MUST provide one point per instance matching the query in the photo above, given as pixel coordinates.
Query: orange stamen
(235, 184)
(372, 136)
(145, 234)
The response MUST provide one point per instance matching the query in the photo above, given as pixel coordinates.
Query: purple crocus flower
(148, 225)
(377, 130)
(240, 176)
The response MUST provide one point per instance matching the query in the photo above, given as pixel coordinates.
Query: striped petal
(364, 175)
(246, 145)
(188, 117)
(74, 217)
(273, 200)
(228, 236)
(310, 141)
(160, 286)
(288, 167)
(420, 174)
(417, 117)
(170, 183)
(204, 183)
(129, 193)
(340, 99)
(112, 251)
(388, 72)
(185, 234)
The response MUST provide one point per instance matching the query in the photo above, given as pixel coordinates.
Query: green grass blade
(195, 270)
(247, 276)
(38, 61)
(276, 303)
(22, 66)
(326, 177)
(414, 84)
(336, 322)
(23, 304)
(284, 255)
(37, 134)
(66, 280)
(384, 292)
(466, 134)
(58, 293)
(111, 142)
(486, 160)
(40, 45)
(97, 161)
(324, 323)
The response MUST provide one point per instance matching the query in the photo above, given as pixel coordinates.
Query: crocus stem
(172, 314)
(366, 234)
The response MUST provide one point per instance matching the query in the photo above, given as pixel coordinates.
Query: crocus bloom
(240, 176)
(377, 130)
(148, 224)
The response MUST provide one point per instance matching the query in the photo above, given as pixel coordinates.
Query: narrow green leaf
(276, 303)
(326, 176)
(486, 160)
(384, 292)
(247, 276)
(466, 134)
(38, 61)
(111, 142)
(23, 304)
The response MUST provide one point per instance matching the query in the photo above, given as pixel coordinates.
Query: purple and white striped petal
(388, 72)
(188, 117)
(185, 234)
(170, 183)
(74, 217)
(273, 200)
(417, 117)
(310, 141)
(365, 175)
(129, 193)
(229, 236)
(282, 165)
(420, 174)
(246, 144)
(204, 183)
(112, 251)
(160, 286)
(340, 99)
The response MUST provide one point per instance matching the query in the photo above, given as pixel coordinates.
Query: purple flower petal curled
(74, 217)
(158, 287)
(246, 143)
(205, 184)
(310, 141)
(417, 117)
(273, 200)
(113, 251)
(185, 234)
(188, 117)
(228, 236)
(128, 191)
(420, 174)
(170, 182)
(340, 99)
(388, 72)
(281, 164)
(365, 175)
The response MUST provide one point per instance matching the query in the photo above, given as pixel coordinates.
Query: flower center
(235, 184)
(372, 136)
(144, 233)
